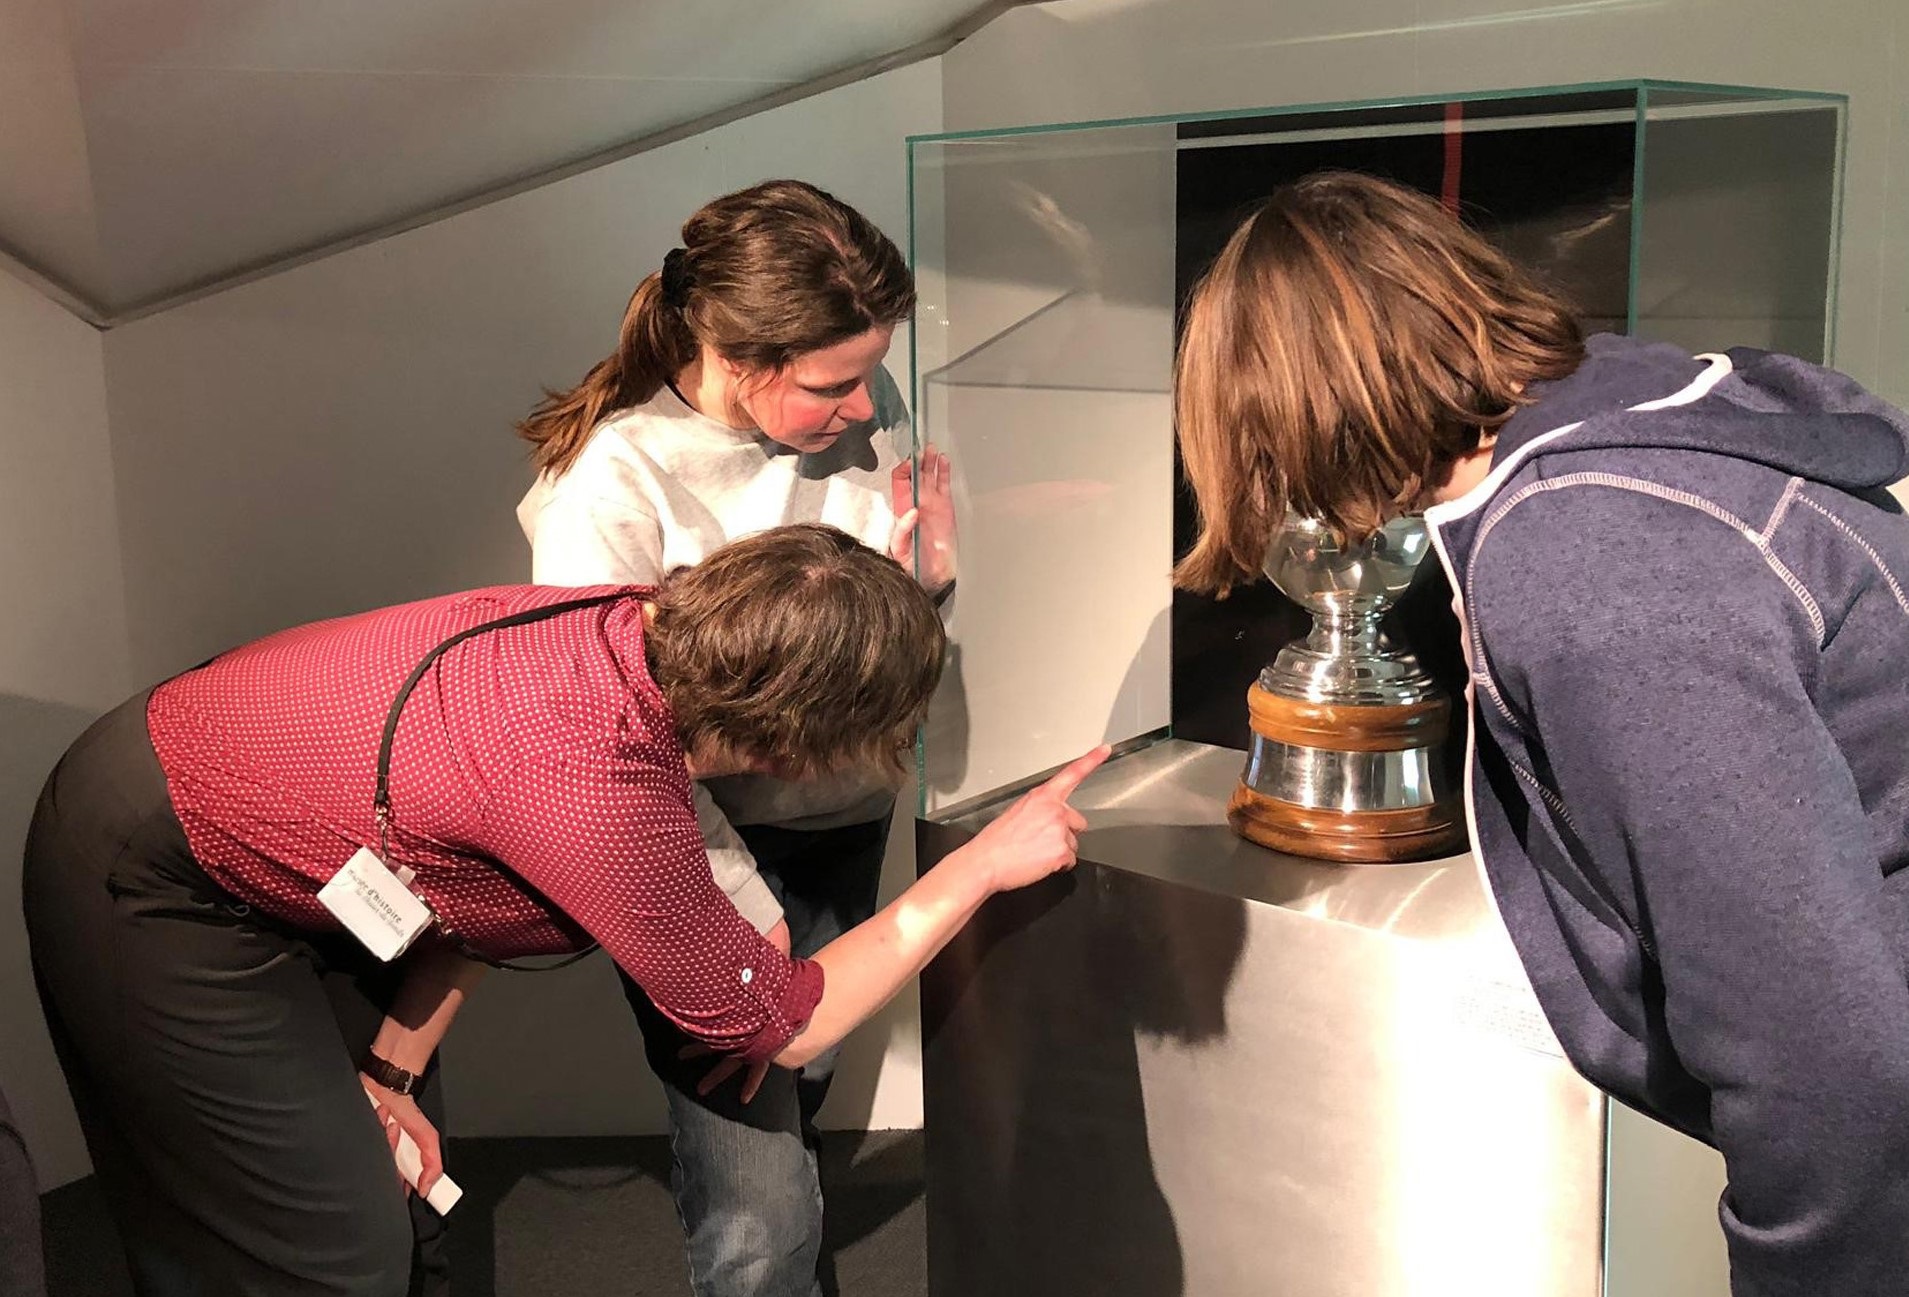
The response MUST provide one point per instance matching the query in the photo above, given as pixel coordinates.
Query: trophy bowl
(1346, 762)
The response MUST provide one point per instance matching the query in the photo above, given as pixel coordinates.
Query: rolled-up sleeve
(622, 855)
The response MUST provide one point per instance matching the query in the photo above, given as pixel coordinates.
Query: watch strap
(388, 1074)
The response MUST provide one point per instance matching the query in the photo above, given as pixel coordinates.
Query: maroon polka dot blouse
(537, 788)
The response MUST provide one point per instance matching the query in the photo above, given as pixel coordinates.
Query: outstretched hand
(1040, 834)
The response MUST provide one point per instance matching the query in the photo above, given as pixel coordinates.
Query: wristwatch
(388, 1074)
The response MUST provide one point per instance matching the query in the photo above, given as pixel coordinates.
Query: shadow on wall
(33, 734)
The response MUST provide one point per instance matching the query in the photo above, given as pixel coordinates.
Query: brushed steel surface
(1194, 1066)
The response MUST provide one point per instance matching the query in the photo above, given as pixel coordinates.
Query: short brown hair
(768, 273)
(797, 647)
(1351, 341)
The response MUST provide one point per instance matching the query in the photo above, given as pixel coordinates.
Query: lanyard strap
(381, 798)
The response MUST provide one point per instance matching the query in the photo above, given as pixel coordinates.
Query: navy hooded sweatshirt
(1685, 597)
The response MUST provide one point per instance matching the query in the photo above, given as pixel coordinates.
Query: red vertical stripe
(1454, 155)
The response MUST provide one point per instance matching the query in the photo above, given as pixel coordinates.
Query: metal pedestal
(1194, 1066)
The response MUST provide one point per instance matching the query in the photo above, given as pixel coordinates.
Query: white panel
(339, 437)
(1048, 382)
(63, 656)
(1060, 626)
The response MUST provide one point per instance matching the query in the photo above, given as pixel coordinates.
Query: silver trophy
(1348, 729)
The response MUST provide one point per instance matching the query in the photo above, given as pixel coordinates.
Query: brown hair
(1352, 340)
(765, 274)
(800, 647)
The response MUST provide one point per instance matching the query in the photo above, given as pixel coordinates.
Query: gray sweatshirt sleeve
(1666, 671)
(734, 867)
(581, 539)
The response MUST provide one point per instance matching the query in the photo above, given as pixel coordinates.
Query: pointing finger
(1071, 775)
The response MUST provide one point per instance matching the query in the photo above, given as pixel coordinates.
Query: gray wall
(62, 652)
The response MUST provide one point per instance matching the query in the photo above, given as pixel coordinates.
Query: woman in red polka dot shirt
(211, 1014)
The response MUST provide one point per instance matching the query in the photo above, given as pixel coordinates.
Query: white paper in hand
(444, 1194)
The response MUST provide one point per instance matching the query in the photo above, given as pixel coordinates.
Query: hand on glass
(725, 1068)
(399, 1113)
(924, 517)
(1040, 834)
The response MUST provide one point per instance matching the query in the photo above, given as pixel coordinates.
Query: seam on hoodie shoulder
(1889, 578)
(1545, 794)
(1658, 491)
(1782, 509)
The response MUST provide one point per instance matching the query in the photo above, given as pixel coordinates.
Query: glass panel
(1674, 94)
(1045, 264)
(1737, 213)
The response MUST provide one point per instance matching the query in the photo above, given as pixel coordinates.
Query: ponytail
(655, 343)
(764, 275)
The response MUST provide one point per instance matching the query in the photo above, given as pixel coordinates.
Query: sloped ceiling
(151, 146)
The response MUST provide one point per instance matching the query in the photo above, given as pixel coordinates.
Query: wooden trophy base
(1349, 837)
(1379, 836)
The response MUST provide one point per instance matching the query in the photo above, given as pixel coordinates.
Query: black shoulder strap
(381, 799)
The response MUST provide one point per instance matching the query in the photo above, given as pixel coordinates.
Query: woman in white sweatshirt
(746, 392)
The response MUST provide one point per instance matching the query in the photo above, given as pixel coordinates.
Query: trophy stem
(1347, 633)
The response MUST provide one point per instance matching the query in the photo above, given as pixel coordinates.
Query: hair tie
(676, 278)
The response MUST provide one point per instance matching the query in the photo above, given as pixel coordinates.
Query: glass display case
(1195, 1065)
(1051, 261)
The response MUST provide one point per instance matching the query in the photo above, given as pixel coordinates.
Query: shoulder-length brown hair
(764, 275)
(798, 647)
(1352, 340)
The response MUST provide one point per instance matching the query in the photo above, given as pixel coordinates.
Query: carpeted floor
(585, 1216)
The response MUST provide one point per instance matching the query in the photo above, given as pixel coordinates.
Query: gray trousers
(211, 1053)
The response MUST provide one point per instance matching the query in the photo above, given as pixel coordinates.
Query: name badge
(375, 906)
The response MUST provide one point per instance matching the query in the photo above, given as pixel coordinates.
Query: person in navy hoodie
(1684, 592)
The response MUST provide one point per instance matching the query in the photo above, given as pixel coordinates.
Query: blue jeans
(745, 1176)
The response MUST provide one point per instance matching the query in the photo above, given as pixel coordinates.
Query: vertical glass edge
(1636, 268)
(1836, 233)
(915, 417)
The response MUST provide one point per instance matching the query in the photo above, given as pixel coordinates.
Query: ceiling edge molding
(57, 291)
(932, 47)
